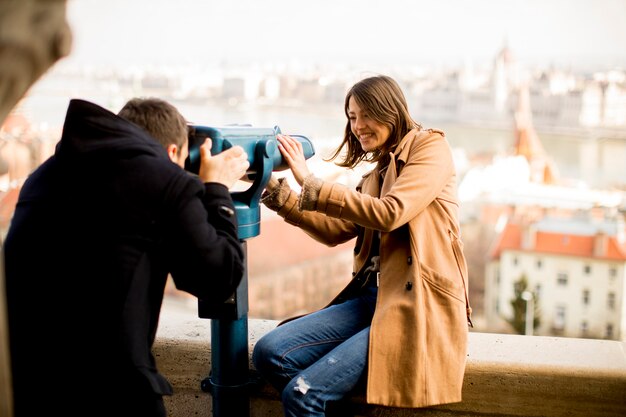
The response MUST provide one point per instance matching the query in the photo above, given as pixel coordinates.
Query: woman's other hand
(291, 149)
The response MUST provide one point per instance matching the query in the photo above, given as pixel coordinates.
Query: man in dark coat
(97, 230)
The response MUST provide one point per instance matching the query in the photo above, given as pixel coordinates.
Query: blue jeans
(320, 357)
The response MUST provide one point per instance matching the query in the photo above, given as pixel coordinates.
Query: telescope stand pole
(229, 379)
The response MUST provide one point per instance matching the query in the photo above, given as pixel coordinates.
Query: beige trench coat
(418, 337)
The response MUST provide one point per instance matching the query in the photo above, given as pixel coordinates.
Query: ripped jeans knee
(329, 379)
(319, 357)
(299, 399)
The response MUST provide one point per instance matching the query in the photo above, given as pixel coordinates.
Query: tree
(519, 305)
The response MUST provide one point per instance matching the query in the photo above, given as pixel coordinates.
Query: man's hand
(225, 168)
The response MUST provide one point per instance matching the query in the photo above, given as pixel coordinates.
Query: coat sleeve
(327, 230)
(428, 169)
(207, 256)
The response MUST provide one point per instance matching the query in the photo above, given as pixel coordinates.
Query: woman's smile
(370, 133)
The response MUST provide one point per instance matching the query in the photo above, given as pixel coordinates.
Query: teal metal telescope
(263, 155)
(229, 380)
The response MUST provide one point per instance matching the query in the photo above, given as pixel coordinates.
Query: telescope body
(249, 138)
(228, 381)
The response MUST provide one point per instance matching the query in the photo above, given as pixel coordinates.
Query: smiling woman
(409, 278)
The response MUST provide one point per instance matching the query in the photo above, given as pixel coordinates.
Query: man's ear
(172, 152)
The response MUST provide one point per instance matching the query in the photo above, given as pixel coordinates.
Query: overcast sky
(561, 32)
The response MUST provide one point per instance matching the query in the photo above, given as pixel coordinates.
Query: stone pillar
(34, 34)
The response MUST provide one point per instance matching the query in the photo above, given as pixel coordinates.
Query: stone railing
(506, 375)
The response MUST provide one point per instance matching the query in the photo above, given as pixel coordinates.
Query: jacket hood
(91, 131)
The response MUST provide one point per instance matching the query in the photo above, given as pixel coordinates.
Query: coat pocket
(457, 248)
(442, 284)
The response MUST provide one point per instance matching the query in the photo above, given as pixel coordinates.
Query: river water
(580, 157)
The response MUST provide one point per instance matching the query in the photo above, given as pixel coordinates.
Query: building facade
(575, 270)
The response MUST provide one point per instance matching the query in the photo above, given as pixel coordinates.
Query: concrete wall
(507, 375)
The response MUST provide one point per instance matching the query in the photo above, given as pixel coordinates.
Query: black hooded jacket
(97, 229)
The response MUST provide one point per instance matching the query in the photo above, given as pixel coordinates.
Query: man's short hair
(159, 118)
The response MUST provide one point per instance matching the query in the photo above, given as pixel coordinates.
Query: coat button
(409, 260)
(227, 211)
(409, 285)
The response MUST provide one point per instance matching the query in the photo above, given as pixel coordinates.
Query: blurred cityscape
(540, 155)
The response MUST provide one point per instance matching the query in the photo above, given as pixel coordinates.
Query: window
(561, 279)
(586, 297)
(612, 272)
(584, 328)
(609, 331)
(559, 318)
(587, 269)
(537, 292)
(539, 263)
(610, 301)
(515, 260)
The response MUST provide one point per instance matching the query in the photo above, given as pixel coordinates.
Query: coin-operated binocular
(263, 155)
(229, 378)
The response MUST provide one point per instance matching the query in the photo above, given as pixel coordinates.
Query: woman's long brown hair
(382, 98)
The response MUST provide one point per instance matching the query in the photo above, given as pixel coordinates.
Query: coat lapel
(390, 176)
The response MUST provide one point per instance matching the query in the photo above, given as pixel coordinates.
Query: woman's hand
(225, 168)
(292, 151)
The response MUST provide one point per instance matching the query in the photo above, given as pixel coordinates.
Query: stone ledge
(507, 375)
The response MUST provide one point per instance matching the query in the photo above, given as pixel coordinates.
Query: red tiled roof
(557, 244)
(509, 238)
(564, 244)
(615, 250)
